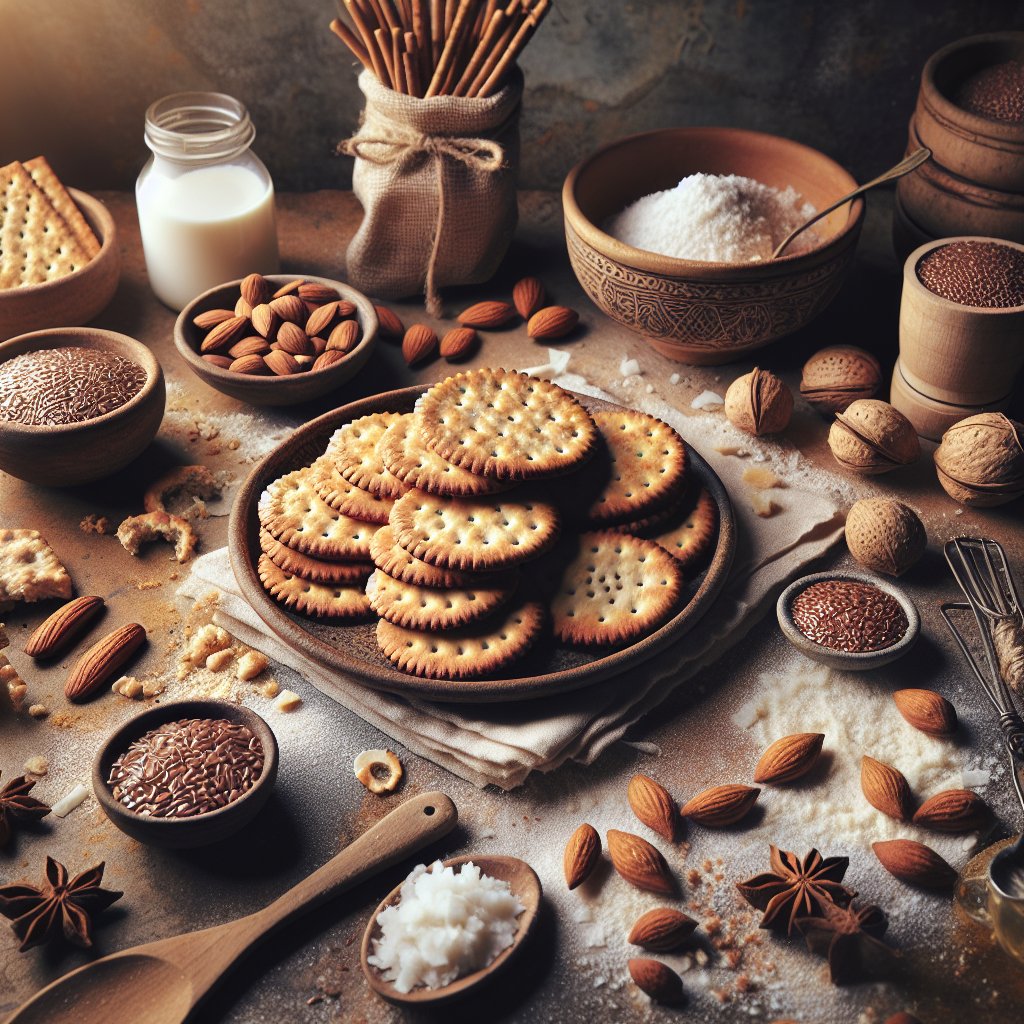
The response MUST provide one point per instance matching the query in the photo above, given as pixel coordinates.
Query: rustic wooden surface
(311, 972)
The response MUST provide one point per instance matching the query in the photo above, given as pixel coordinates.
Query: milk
(204, 226)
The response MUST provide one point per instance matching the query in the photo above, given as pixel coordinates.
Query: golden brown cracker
(415, 607)
(691, 536)
(43, 175)
(345, 496)
(614, 589)
(353, 448)
(505, 425)
(29, 568)
(315, 569)
(321, 600)
(473, 534)
(389, 555)
(471, 652)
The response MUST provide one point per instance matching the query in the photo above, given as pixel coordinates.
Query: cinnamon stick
(351, 40)
(448, 53)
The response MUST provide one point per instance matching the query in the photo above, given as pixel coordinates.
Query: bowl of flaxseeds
(848, 620)
(187, 773)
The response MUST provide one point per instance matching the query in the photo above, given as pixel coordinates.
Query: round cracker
(614, 589)
(406, 456)
(691, 536)
(646, 466)
(298, 564)
(353, 448)
(321, 600)
(506, 425)
(468, 653)
(474, 534)
(429, 608)
(392, 558)
(345, 496)
(292, 512)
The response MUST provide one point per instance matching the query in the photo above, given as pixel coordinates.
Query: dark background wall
(76, 76)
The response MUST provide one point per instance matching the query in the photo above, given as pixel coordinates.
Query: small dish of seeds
(848, 620)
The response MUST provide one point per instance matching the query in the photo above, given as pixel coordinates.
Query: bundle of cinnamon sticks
(440, 47)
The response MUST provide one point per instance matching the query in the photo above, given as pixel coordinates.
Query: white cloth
(501, 744)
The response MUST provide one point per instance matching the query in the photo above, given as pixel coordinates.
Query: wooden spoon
(162, 982)
(525, 886)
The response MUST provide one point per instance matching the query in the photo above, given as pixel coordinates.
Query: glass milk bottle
(206, 202)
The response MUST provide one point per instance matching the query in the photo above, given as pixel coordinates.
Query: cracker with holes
(388, 555)
(690, 535)
(315, 569)
(613, 589)
(430, 608)
(506, 425)
(473, 534)
(353, 448)
(406, 456)
(345, 496)
(471, 652)
(29, 568)
(292, 512)
(320, 600)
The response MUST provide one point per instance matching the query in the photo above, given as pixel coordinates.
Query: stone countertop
(310, 972)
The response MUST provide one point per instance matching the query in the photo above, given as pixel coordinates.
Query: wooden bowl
(76, 298)
(203, 828)
(690, 310)
(255, 390)
(77, 453)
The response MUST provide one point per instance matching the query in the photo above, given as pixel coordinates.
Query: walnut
(980, 461)
(837, 376)
(872, 437)
(885, 535)
(759, 403)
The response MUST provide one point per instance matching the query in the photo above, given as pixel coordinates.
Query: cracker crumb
(93, 523)
(287, 701)
(760, 478)
(763, 505)
(37, 765)
(250, 665)
(38, 710)
(219, 660)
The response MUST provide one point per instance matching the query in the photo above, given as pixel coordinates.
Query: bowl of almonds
(277, 340)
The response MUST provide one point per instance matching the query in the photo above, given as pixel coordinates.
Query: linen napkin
(501, 744)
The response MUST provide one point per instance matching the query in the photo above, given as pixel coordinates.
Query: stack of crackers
(498, 514)
(43, 235)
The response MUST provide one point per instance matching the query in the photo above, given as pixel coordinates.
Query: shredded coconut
(708, 400)
(718, 218)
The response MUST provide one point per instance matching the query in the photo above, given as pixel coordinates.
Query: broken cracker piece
(12, 687)
(93, 523)
(195, 481)
(287, 700)
(763, 505)
(138, 530)
(29, 569)
(250, 665)
(208, 639)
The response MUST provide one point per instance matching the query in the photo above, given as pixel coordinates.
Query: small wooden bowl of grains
(671, 234)
(187, 773)
(848, 620)
(76, 404)
(277, 340)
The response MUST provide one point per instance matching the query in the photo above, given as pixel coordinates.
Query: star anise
(16, 804)
(846, 935)
(41, 913)
(796, 888)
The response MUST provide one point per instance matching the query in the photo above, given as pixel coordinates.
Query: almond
(254, 345)
(327, 359)
(927, 710)
(223, 335)
(319, 344)
(639, 863)
(287, 289)
(419, 343)
(314, 291)
(344, 337)
(886, 788)
(265, 321)
(305, 361)
(658, 980)
(252, 364)
(528, 296)
(487, 315)
(243, 308)
(102, 660)
(63, 627)
(458, 343)
(212, 317)
(552, 322)
(653, 805)
(581, 855)
(789, 758)
(223, 362)
(346, 308)
(290, 308)
(721, 805)
(953, 810)
(321, 318)
(293, 339)
(661, 929)
(255, 289)
(281, 363)
(915, 864)
(388, 322)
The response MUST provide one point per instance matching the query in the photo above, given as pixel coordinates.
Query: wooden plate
(352, 651)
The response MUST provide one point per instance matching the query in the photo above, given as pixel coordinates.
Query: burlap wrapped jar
(437, 180)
